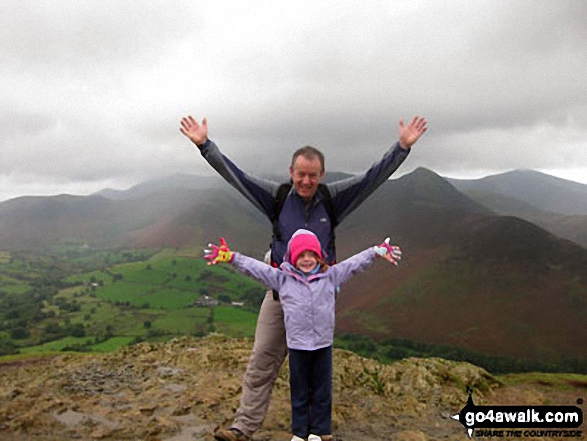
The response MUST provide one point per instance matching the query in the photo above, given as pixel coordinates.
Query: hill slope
(170, 217)
(181, 390)
(469, 278)
(571, 227)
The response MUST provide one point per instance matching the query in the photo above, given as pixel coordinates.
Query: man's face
(306, 174)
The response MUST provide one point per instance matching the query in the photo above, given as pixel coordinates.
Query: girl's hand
(389, 252)
(219, 254)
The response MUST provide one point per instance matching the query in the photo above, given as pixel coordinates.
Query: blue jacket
(346, 196)
(308, 302)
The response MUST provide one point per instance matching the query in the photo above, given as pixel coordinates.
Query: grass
(557, 381)
(182, 321)
(4, 257)
(233, 321)
(112, 344)
(148, 300)
(57, 345)
(27, 356)
(13, 286)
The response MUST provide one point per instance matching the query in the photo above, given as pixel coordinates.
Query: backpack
(280, 198)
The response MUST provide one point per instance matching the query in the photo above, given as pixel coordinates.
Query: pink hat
(303, 240)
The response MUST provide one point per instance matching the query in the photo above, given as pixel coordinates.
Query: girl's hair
(323, 265)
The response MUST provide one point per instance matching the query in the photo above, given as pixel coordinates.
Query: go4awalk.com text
(521, 421)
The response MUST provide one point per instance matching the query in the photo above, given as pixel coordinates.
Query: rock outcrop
(182, 389)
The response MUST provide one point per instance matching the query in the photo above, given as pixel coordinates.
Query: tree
(19, 333)
(224, 298)
(77, 330)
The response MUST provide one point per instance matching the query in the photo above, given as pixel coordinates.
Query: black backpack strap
(329, 206)
(282, 192)
(326, 196)
(280, 197)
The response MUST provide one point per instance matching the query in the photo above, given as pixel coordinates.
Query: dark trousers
(311, 391)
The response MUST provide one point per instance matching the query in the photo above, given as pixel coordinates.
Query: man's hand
(408, 135)
(219, 254)
(198, 134)
(389, 252)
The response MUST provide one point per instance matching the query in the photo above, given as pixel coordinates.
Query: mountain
(175, 182)
(544, 192)
(470, 277)
(188, 182)
(168, 217)
(571, 227)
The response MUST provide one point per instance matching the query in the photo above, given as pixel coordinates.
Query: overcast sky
(92, 91)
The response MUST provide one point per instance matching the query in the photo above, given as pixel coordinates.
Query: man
(307, 204)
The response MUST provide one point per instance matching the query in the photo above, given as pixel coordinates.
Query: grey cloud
(528, 28)
(500, 82)
(16, 123)
(70, 33)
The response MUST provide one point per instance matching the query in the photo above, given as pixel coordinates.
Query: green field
(69, 301)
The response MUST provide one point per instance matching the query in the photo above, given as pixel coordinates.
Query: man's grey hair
(309, 153)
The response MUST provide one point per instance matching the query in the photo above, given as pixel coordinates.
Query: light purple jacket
(308, 303)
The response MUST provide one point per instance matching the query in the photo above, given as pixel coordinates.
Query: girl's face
(307, 261)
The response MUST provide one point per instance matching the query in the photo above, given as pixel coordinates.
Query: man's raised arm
(348, 194)
(196, 133)
(260, 192)
(408, 135)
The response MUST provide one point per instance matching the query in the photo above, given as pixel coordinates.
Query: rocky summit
(182, 389)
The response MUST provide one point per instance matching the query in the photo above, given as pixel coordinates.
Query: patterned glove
(219, 254)
(390, 252)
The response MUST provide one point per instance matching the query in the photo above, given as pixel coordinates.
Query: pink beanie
(303, 240)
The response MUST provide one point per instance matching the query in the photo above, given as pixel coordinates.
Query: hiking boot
(231, 434)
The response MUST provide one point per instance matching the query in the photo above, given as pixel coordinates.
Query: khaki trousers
(269, 351)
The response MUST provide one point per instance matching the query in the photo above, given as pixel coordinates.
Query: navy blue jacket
(346, 194)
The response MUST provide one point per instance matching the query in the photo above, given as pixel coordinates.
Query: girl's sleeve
(358, 263)
(260, 271)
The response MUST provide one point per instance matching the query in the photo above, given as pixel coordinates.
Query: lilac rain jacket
(308, 303)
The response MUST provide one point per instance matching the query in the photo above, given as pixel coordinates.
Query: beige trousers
(269, 351)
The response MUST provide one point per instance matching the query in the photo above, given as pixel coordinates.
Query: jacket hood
(302, 240)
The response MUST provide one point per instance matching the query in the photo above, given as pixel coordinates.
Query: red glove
(219, 254)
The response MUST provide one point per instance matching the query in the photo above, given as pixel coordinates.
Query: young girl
(307, 288)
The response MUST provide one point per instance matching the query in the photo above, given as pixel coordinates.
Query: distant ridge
(555, 204)
(545, 192)
(179, 181)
